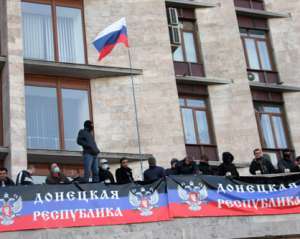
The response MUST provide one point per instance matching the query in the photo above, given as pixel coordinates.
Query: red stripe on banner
(211, 209)
(108, 48)
(129, 216)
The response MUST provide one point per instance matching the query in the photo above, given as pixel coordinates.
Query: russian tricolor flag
(110, 37)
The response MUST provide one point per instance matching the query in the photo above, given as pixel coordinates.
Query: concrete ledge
(203, 80)
(259, 13)
(189, 4)
(274, 87)
(76, 70)
(2, 62)
(75, 157)
(3, 152)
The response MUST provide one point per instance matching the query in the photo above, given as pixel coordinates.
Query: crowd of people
(100, 170)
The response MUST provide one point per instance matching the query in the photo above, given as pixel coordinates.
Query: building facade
(208, 77)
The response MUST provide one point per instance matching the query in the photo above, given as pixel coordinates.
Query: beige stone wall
(231, 105)
(286, 41)
(156, 93)
(13, 89)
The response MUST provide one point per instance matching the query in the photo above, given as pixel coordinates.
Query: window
(195, 122)
(255, 4)
(256, 49)
(55, 111)
(187, 51)
(53, 31)
(272, 126)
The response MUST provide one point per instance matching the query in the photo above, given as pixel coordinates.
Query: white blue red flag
(110, 37)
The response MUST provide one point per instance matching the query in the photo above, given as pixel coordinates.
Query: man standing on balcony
(90, 151)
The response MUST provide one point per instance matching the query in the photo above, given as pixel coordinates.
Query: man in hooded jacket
(227, 168)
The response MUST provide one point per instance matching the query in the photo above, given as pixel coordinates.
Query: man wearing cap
(172, 170)
(104, 174)
(90, 151)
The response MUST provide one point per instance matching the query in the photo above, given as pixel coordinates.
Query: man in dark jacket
(104, 174)
(4, 179)
(90, 151)
(187, 166)
(286, 164)
(25, 176)
(172, 170)
(124, 173)
(204, 167)
(227, 168)
(154, 172)
(56, 176)
(261, 164)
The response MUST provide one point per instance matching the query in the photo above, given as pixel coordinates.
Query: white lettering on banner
(80, 213)
(80, 196)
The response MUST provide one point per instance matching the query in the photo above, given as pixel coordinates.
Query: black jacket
(287, 164)
(263, 165)
(124, 175)
(24, 178)
(106, 176)
(61, 179)
(183, 168)
(154, 173)
(87, 141)
(7, 182)
(225, 168)
(205, 168)
(170, 171)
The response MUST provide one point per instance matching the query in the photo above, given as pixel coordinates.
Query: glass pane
(189, 45)
(202, 127)
(196, 103)
(188, 123)
(75, 111)
(177, 54)
(279, 132)
(257, 34)
(271, 109)
(42, 118)
(243, 32)
(70, 35)
(264, 55)
(181, 102)
(266, 128)
(251, 53)
(37, 31)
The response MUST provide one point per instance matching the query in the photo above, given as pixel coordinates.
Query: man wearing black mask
(124, 173)
(286, 164)
(260, 164)
(90, 151)
(227, 168)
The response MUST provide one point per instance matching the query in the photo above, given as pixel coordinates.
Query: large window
(195, 121)
(55, 111)
(272, 127)
(256, 49)
(52, 30)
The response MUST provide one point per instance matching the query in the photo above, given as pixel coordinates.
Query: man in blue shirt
(154, 172)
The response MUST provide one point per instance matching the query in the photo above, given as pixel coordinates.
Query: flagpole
(136, 113)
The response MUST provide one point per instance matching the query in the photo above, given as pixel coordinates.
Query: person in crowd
(227, 168)
(56, 176)
(261, 164)
(104, 174)
(172, 170)
(204, 166)
(25, 176)
(4, 179)
(124, 173)
(286, 164)
(297, 164)
(187, 166)
(90, 151)
(154, 172)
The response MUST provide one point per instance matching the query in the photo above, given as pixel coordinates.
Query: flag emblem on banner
(9, 208)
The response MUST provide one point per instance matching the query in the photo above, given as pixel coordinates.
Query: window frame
(282, 116)
(60, 83)
(266, 39)
(78, 4)
(194, 109)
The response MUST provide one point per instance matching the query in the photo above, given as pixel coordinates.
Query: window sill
(259, 13)
(76, 70)
(75, 157)
(274, 87)
(203, 80)
(189, 4)
(2, 62)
